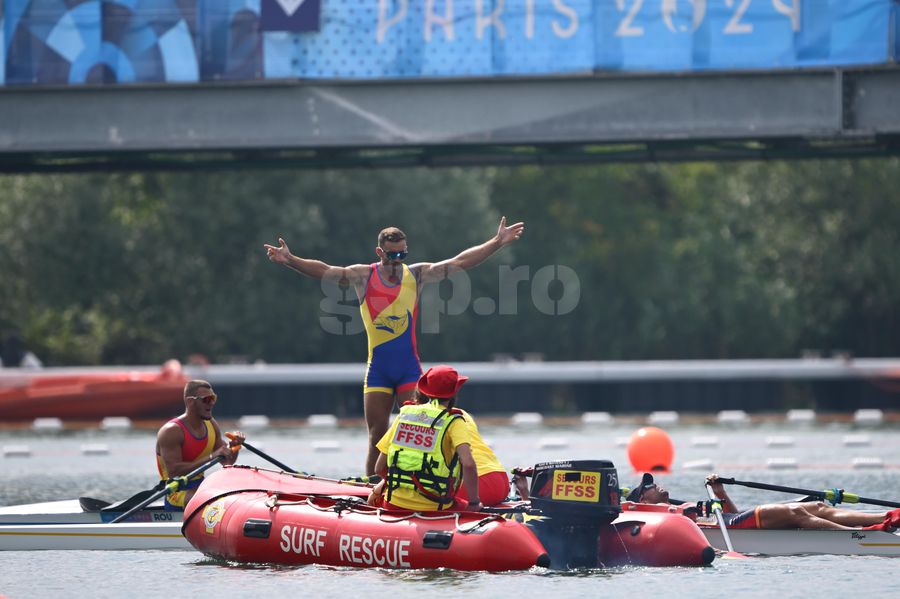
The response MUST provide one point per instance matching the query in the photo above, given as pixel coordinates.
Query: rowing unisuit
(389, 314)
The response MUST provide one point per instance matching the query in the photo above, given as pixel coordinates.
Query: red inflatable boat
(574, 520)
(653, 535)
(251, 515)
(259, 516)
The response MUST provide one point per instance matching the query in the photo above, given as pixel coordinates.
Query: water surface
(58, 470)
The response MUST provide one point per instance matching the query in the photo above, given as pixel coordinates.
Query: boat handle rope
(340, 505)
(455, 515)
(273, 501)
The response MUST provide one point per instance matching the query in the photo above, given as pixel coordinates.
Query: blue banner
(174, 41)
(2, 43)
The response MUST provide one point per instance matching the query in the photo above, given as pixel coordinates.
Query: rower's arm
(316, 269)
(728, 505)
(320, 270)
(471, 257)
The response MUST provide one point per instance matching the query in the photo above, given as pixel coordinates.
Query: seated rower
(803, 514)
(426, 448)
(187, 442)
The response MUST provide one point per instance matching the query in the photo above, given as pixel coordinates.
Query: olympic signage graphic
(290, 15)
(44, 43)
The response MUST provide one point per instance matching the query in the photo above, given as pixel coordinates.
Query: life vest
(415, 456)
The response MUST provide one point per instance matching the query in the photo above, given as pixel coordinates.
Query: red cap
(441, 381)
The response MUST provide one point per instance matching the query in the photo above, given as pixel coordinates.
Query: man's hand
(230, 450)
(507, 235)
(237, 438)
(474, 507)
(223, 451)
(376, 497)
(713, 481)
(280, 254)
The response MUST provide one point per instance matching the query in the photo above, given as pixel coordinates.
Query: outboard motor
(572, 501)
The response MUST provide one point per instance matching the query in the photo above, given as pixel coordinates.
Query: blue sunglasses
(395, 255)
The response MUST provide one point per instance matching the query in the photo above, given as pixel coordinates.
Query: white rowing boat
(67, 525)
(806, 541)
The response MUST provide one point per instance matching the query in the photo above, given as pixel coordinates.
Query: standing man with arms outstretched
(388, 293)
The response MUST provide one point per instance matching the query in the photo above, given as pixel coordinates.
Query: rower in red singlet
(190, 440)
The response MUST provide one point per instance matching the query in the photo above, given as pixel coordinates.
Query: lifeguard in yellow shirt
(426, 454)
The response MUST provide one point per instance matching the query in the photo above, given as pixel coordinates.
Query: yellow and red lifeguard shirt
(192, 448)
(389, 314)
(486, 461)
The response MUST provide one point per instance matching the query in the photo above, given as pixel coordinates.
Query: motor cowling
(580, 490)
(575, 499)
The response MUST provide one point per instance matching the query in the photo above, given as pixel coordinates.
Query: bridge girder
(579, 119)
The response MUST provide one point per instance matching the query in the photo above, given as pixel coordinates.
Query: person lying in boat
(190, 440)
(426, 448)
(803, 514)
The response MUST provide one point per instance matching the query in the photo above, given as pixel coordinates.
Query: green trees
(720, 260)
(672, 261)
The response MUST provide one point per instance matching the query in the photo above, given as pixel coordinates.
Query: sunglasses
(395, 255)
(208, 400)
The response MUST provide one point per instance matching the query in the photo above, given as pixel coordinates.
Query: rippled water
(58, 470)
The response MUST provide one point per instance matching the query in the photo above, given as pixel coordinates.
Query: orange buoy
(650, 450)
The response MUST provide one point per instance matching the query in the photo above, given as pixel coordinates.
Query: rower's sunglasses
(401, 255)
(208, 400)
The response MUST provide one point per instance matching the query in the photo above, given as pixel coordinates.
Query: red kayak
(259, 516)
(93, 395)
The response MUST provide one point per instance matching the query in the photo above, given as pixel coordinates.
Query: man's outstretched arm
(313, 268)
(474, 255)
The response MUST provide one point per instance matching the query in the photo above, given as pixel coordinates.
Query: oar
(833, 495)
(96, 505)
(718, 510)
(174, 485)
(264, 455)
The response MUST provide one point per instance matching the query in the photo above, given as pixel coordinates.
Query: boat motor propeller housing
(575, 499)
